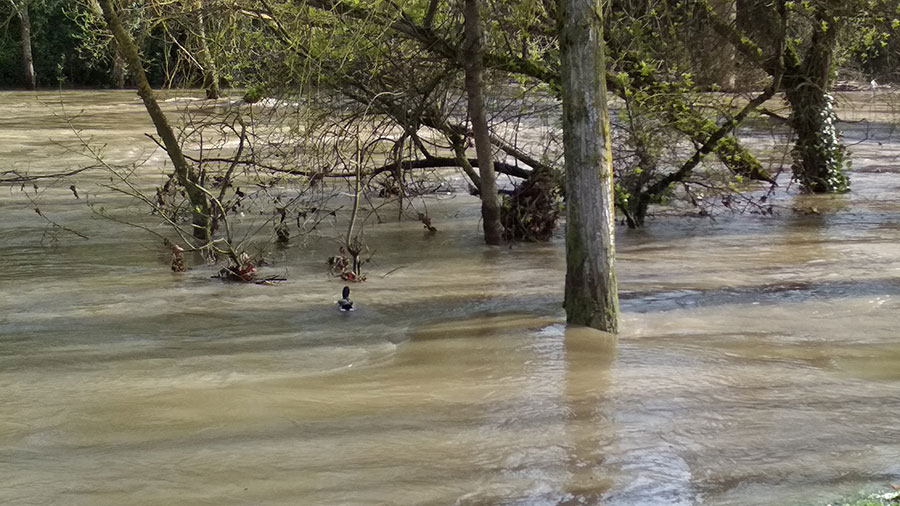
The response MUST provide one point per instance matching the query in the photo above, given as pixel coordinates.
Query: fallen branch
(22, 178)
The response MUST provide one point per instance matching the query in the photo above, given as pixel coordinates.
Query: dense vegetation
(69, 52)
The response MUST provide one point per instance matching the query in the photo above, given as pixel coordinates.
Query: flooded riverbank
(757, 362)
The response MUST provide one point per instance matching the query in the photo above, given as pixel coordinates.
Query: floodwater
(757, 362)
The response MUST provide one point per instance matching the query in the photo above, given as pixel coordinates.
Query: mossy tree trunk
(209, 70)
(818, 154)
(591, 292)
(187, 176)
(473, 61)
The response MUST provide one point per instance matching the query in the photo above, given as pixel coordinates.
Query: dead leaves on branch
(348, 266)
(177, 256)
(242, 271)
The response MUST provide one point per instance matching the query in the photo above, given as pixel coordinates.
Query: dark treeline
(67, 52)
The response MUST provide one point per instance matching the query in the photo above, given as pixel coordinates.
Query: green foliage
(254, 93)
(71, 47)
(878, 499)
(665, 109)
(871, 47)
(826, 150)
(53, 36)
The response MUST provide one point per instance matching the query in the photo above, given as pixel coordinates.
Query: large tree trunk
(210, 73)
(473, 55)
(185, 173)
(591, 292)
(818, 152)
(27, 57)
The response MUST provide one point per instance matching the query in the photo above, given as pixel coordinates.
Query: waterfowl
(345, 304)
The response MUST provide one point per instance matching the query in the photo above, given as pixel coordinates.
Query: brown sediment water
(758, 362)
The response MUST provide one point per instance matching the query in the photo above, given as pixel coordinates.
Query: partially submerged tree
(187, 176)
(819, 155)
(473, 60)
(591, 291)
(669, 130)
(204, 57)
(419, 38)
(796, 44)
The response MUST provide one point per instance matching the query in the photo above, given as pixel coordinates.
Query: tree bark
(27, 57)
(185, 173)
(473, 58)
(818, 153)
(118, 68)
(210, 73)
(819, 157)
(727, 54)
(591, 291)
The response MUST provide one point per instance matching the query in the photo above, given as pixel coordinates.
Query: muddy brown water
(758, 363)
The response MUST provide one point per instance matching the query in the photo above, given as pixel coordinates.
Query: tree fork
(637, 211)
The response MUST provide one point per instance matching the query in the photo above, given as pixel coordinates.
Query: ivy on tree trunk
(819, 156)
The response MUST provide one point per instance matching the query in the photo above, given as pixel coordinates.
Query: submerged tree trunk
(185, 173)
(819, 155)
(591, 292)
(27, 57)
(473, 55)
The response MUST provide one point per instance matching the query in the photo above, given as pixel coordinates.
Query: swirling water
(757, 363)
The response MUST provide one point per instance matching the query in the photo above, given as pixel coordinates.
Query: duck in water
(345, 304)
